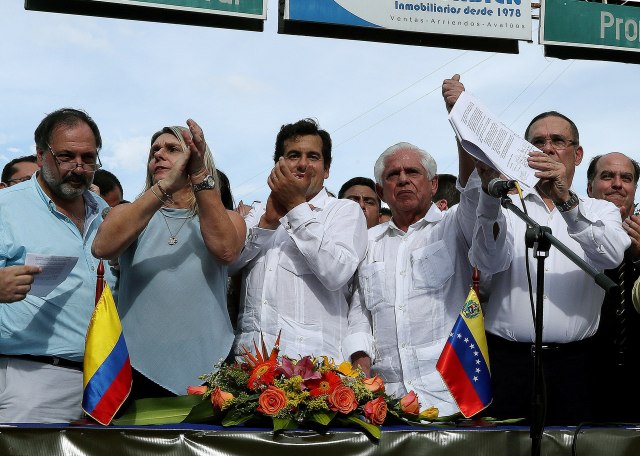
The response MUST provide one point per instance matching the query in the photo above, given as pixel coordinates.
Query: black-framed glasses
(557, 142)
(67, 161)
(11, 182)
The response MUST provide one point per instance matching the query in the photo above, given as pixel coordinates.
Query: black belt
(500, 343)
(53, 360)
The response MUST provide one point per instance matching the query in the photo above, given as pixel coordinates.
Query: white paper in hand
(489, 140)
(55, 270)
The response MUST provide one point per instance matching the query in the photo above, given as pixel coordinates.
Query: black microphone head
(499, 188)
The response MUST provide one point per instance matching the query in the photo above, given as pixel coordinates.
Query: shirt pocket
(300, 339)
(292, 260)
(431, 266)
(372, 284)
(427, 357)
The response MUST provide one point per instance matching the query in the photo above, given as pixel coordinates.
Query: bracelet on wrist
(164, 193)
(157, 196)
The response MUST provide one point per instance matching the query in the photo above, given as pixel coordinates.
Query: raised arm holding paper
(572, 300)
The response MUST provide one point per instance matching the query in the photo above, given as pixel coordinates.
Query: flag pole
(99, 281)
(475, 278)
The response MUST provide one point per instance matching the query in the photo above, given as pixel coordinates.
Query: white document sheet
(55, 270)
(489, 140)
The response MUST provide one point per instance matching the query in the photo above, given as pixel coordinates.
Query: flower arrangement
(307, 391)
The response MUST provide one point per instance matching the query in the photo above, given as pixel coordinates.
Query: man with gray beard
(42, 337)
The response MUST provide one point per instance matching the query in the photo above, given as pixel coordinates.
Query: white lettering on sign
(628, 27)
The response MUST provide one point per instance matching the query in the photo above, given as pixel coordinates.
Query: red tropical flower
(262, 374)
(324, 385)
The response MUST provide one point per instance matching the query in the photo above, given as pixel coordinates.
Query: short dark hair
(106, 181)
(301, 128)
(9, 169)
(364, 181)
(591, 171)
(385, 211)
(64, 116)
(447, 190)
(572, 126)
(225, 191)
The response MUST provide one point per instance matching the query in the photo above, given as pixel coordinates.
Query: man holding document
(49, 221)
(589, 227)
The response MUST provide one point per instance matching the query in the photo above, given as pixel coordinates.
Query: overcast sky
(135, 77)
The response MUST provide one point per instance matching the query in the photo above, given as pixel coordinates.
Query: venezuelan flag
(464, 362)
(107, 370)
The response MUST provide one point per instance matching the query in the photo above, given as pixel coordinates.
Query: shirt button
(270, 269)
(544, 297)
(402, 273)
(265, 302)
(404, 345)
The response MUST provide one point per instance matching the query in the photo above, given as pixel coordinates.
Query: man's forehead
(358, 190)
(614, 161)
(550, 125)
(404, 158)
(296, 142)
(75, 132)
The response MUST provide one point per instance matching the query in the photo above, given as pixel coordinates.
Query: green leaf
(281, 424)
(201, 413)
(160, 410)
(369, 428)
(235, 417)
(323, 418)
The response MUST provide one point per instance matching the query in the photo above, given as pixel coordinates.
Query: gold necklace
(173, 238)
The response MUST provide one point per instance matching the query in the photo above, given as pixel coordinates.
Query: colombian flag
(107, 371)
(464, 362)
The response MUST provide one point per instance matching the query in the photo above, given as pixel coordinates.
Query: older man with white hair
(416, 275)
(417, 272)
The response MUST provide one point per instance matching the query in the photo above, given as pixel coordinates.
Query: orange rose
(409, 403)
(271, 401)
(374, 384)
(376, 411)
(219, 398)
(196, 389)
(342, 399)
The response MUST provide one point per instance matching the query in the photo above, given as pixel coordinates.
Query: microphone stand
(540, 239)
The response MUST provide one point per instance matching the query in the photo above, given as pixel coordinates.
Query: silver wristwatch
(572, 202)
(207, 184)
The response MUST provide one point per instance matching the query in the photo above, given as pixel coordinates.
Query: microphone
(499, 188)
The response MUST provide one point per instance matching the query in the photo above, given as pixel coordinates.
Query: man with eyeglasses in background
(18, 170)
(592, 229)
(42, 338)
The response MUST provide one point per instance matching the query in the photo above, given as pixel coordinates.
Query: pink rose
(374, 384)
(376, 411)
(219, 398)
(342, 399)
(196, 389)
(409, 404)
(271, 401)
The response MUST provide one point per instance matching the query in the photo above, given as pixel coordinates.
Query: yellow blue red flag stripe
(107, 369)
(464, 362)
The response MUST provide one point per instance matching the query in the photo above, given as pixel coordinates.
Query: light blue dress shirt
(55, 325)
